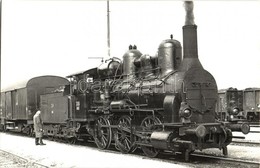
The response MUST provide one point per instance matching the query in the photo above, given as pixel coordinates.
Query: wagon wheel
(124, 140)
(102, 133)
(29, 131)
(147, 123)
(32, 134)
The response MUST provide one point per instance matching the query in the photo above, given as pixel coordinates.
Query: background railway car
(2, 110)
(19, 103)
(251, 104)
(230, 105)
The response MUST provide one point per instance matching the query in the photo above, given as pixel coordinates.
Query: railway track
(204, 160)
(10, 160)
(227, 159)
(207, 161)
(248, 143)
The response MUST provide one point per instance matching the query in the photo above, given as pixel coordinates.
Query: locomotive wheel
(225, 151)
(225, 138)
(150, 121)
(71, 140)
(150, 151)
(102, 133)
(228, 137)
(147, 123)
(123, 140)
(186, 154)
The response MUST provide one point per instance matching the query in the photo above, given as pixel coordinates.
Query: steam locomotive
(239, 105)
(157, 103)
(230, 104)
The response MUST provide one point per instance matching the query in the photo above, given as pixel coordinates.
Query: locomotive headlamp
(235, 111)
(186, 113)
(231, 117)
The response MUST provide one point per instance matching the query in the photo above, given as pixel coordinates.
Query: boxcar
(19, 103)
(251, 104)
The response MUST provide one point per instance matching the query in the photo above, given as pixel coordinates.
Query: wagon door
(257, 96)
(9, 109)
(21, 95)
(31, 102)
(252, 104)
(2, 106)
(249, 100)
(14, 99)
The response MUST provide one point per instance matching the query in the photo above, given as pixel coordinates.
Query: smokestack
(190, 32)
(190, 47)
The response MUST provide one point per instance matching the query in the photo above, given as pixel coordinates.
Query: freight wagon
(19, 103)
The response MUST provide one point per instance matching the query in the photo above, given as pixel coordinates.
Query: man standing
(38, 129)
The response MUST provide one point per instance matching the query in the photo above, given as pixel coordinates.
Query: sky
(44, 37)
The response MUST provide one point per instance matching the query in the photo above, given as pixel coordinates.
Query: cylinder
(161, 139)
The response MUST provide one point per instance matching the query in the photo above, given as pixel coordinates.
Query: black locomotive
(239, 105)
(158, 103)
(230, 104)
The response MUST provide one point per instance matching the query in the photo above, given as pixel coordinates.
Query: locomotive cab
(110, 68)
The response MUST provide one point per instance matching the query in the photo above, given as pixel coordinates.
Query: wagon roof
(17, 85)
(31, 81)
(252, 88)
(228, 89)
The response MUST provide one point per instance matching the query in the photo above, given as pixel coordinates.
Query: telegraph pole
(108, 29)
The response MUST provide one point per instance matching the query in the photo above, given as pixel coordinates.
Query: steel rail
(226, 159)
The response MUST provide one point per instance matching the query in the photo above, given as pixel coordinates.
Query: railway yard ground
(20, 151)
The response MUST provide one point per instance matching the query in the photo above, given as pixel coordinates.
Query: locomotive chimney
(190, 47)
